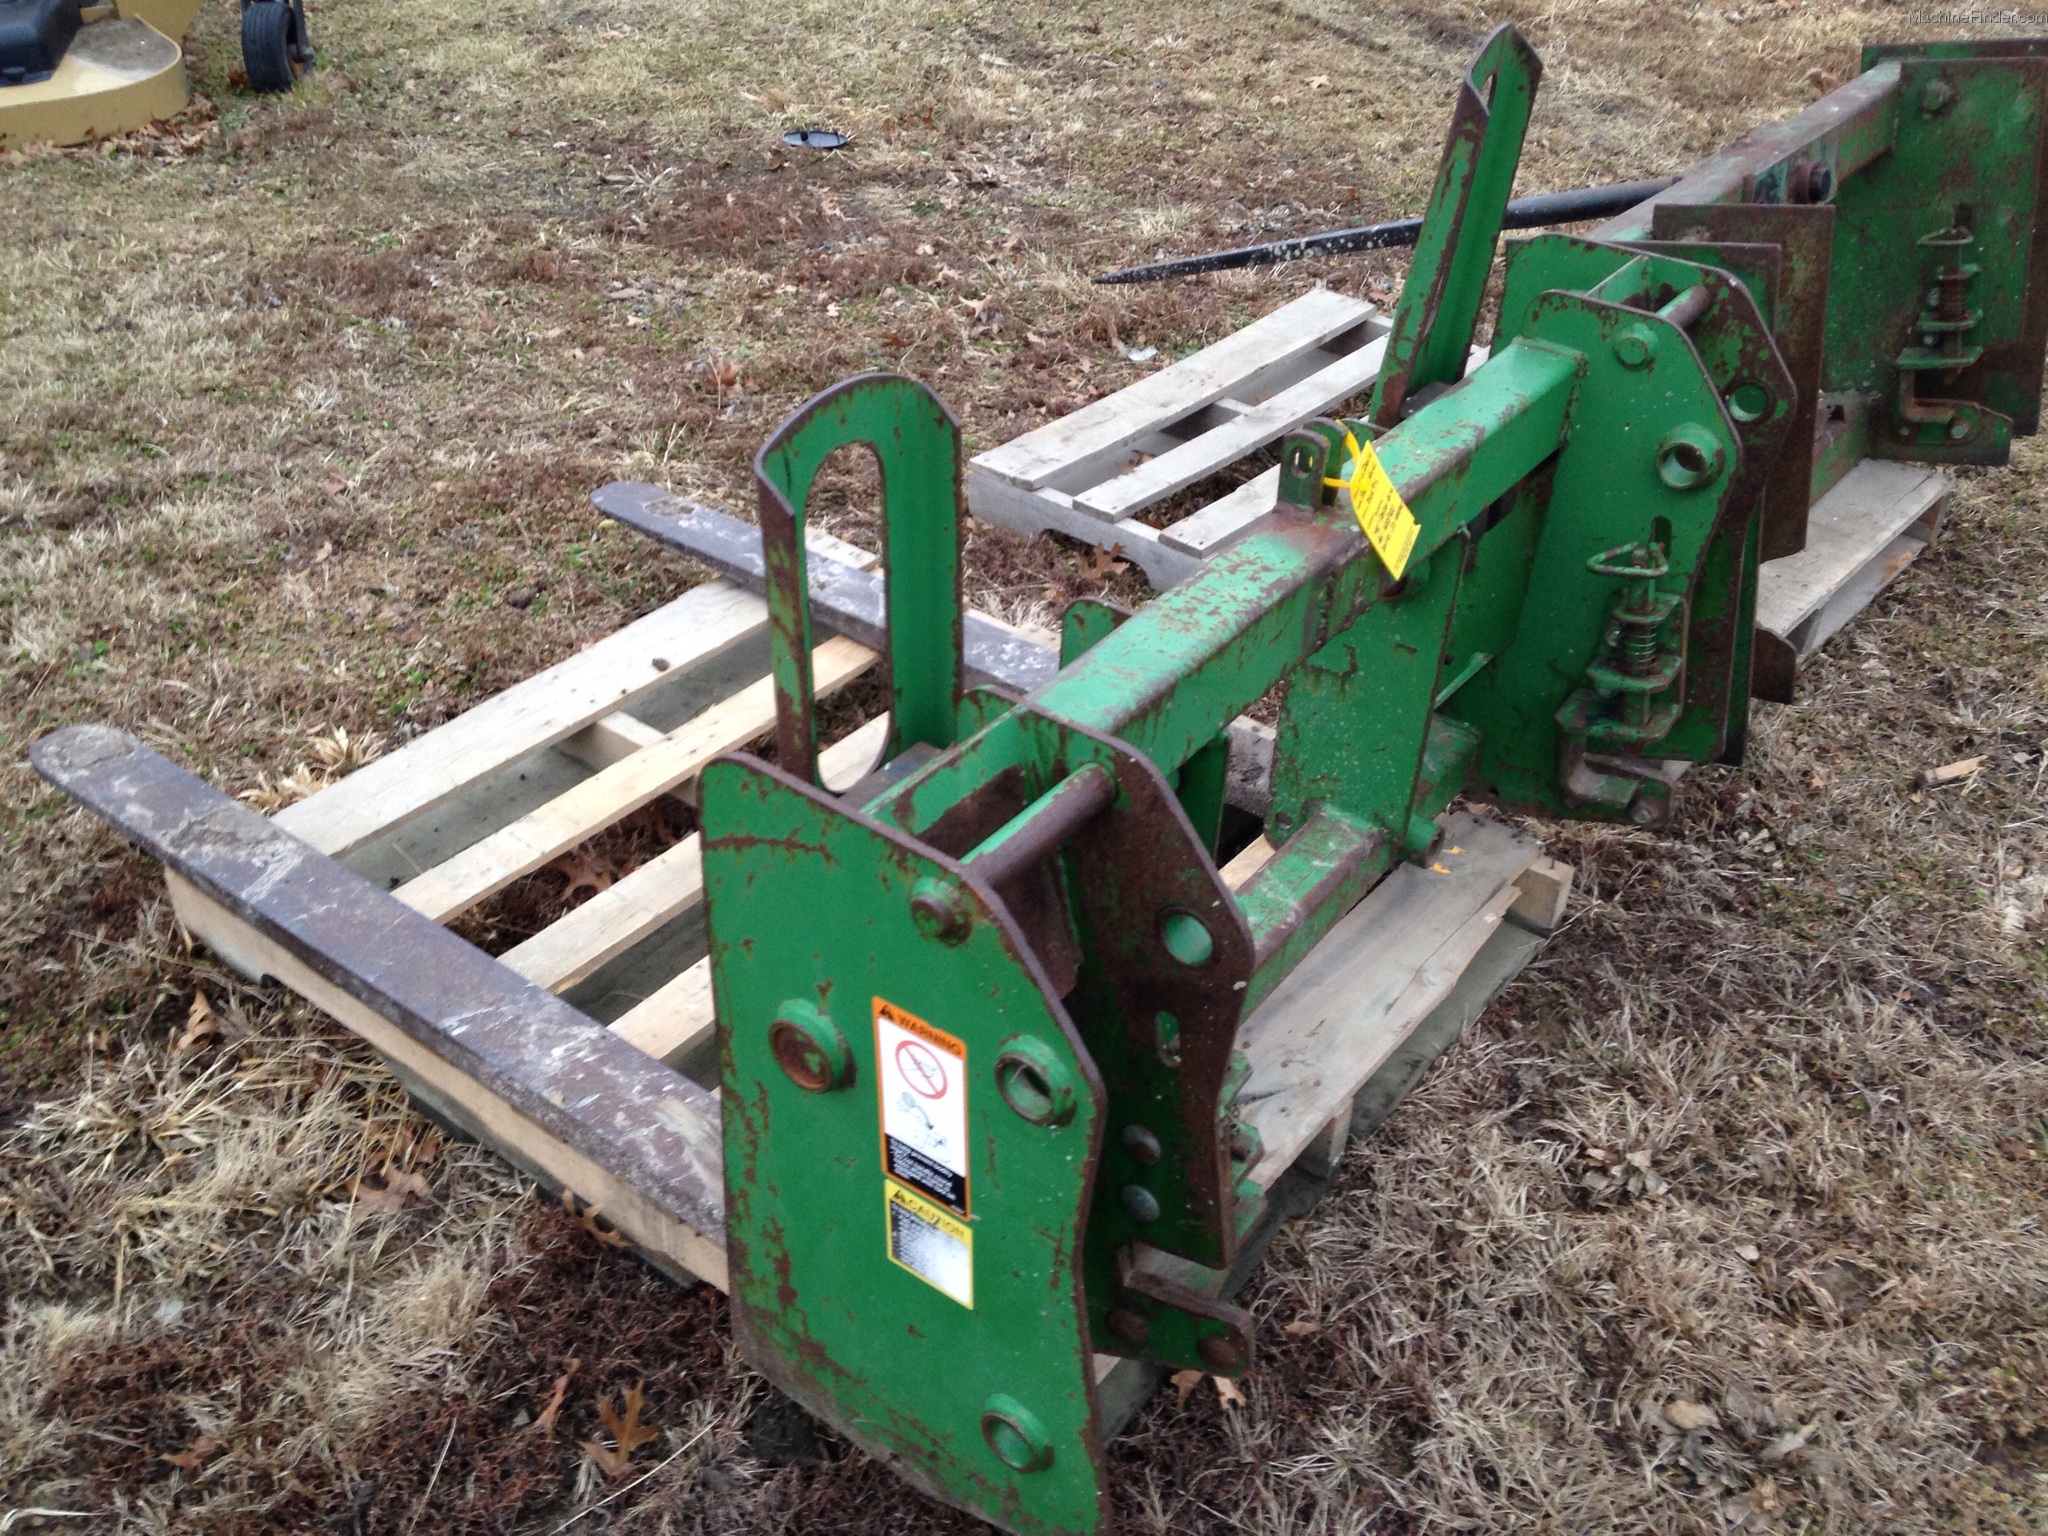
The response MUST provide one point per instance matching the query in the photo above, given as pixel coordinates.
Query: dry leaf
(1442, 869)
(1184, 1382)
(583, 873)
(1749, 1253)
(201, 1027)
(1319, 82)
(628, 1433)
(1301, 1327)
(196, 1454)
(1227, 1393)
(546, 1422)
(592, 1221)
(336, 483)
(1100, 562)
(1749, 1408)
(1786, 1444)
(396, 1187)
(1683, 1413)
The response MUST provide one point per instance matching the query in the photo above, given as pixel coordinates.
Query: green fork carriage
(978, 1016)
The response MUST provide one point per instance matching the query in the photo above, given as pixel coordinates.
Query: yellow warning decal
(930, 1242)
(1383, 517)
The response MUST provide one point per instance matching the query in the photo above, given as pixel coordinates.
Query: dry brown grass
(287, 419)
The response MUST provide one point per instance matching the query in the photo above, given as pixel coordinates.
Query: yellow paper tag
(1383, 517)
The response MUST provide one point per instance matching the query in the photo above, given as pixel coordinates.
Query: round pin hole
(809, 1048)
(1034, 1082)
(1748, 401)
(1187, 938)
(1014, 1434)
(1688, 457)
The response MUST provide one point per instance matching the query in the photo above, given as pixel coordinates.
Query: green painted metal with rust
(1032, 883)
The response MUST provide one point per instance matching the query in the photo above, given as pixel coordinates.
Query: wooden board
(1850, 530)
(1330, 1024)
(1102, 436)
(1095, 473)
(1873, 523)
(1101, 473)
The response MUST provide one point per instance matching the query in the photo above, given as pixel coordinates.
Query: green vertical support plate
(920, 1289)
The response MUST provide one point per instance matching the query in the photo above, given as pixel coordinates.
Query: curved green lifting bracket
(1439, 306)
(916, 443)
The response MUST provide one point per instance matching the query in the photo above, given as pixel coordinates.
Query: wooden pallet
(606, 1089)
(1860, 536)
(1092, 474)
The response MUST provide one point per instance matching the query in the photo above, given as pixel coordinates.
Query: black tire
(269, 36)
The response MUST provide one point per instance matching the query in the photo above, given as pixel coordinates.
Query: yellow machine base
(118, 75)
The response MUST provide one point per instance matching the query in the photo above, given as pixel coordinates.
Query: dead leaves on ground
(1615, 1174)
(388, 1192)
(1227, 1393)
(627, 1432)
(171, 139)
(1689, 1417)
(202, 1027)
(333, 754)
(592, 1220)
(395, 1185)
(545, 1424)
(1102, 563)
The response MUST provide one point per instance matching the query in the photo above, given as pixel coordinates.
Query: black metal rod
(1523, 213)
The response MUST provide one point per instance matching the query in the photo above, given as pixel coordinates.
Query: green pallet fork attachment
(978, 1014)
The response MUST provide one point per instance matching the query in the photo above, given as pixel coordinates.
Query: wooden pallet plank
(603, 742)
(1218, 525)
(519, 849)
(593, 687)
(675, 1020)
(1098, 434)
(673, 1244)
(1220, 447)
(1859, 592)
(604, 677)
(659, 891)
(1331, 1023)
(1032, 512)
(1848, 528)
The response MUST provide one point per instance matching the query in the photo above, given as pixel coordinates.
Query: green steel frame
(1022, 904)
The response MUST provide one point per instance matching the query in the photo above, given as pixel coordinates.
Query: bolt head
(1140, 1204)
(1221, 1353)
(1635, 347)
(941, 910)
(1128, 1325)
(1959, 429)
